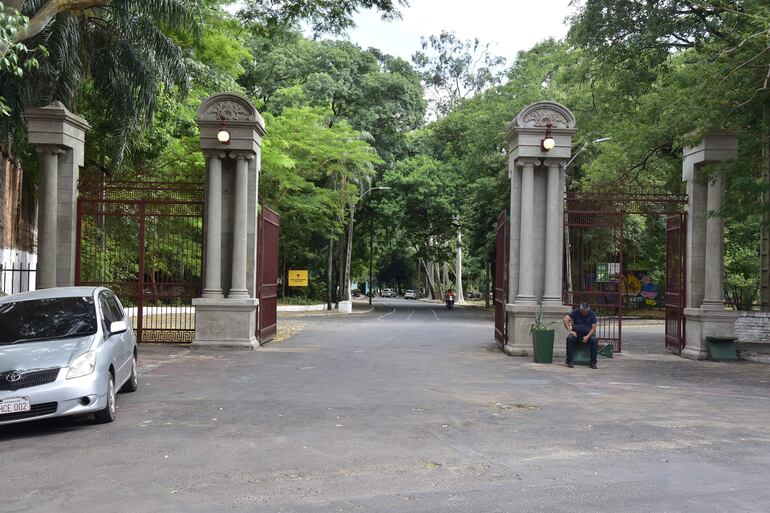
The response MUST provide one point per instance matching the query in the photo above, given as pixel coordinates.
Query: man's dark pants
(592, 347)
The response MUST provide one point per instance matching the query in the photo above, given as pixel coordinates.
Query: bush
(300, 300)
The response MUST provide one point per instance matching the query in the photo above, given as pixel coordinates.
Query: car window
(107, 312)
(114, 304)
(44, 319)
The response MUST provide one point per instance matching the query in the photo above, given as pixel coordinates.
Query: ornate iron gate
(144, 240)
(593, 267)
(676, 244)
(267, 275)
(501, 281)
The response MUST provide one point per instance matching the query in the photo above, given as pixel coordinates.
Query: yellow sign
(297, 278)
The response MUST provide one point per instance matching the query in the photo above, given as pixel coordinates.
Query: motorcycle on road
(450, 301)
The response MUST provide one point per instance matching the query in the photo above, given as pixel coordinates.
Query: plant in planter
(542, 339)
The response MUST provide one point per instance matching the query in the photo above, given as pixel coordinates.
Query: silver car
(64, 351)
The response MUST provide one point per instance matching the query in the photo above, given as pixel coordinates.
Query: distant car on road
(410, 294)
(64, 351)
(388, 293)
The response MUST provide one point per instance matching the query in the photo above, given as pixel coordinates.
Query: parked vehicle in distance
(410, 294)
(64, 351)
(388, 293)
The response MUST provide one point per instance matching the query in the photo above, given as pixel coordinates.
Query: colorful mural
(639, 290)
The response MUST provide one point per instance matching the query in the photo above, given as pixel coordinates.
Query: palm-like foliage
(122, 54)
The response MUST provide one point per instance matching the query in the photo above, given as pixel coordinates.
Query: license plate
(14, 405)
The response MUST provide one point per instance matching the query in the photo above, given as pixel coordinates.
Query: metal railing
(15, 279)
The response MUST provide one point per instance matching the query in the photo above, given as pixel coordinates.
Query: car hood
(43, 355)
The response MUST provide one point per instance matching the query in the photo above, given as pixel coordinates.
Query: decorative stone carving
(528, 162)
(560, 163)
(541, 114)
(49, 148)
(214, 154)
(228, 107)
(241, 155)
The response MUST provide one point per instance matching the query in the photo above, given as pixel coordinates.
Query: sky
(508, 25)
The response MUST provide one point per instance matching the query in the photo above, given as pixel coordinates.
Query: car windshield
(44, 319)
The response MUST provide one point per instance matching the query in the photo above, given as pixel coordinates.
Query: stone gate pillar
(226, 314)
(58, 136)
(536, 232)
(705, 313)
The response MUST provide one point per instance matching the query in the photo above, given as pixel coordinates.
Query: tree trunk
(341, 266)
(348, 257)
(459, 267)
(445, 273)
(486, 286)
(329, 273)
(428, 278)
(764, 254)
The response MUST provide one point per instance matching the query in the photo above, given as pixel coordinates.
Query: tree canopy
(651, 76)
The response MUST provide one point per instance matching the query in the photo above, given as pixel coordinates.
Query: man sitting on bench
(581, 325)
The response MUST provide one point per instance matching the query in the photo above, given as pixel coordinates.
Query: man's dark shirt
(582, 324)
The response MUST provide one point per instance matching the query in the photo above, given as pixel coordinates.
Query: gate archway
(595, 268)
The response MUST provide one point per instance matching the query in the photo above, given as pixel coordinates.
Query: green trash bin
(542, 345)
(582, 354)
(722, 349)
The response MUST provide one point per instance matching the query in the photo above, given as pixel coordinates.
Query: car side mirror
(118, 327)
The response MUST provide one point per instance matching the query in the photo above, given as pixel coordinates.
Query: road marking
(434, 314)
(410, 315)
(383, 316)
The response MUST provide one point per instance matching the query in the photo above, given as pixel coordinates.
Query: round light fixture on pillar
(548, 142)
(223, 135)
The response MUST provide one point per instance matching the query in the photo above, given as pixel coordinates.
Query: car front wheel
(108, 413)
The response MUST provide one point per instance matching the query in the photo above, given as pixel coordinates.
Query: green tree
(323, 15)
(121, 50)
(454, 70)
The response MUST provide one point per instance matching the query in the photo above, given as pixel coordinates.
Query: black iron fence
(16, 278)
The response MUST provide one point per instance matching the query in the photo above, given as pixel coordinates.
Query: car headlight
(83, 365)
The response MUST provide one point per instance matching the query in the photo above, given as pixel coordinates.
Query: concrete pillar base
(346, 307)
(226, 323)
(702, 323)
(520, 320)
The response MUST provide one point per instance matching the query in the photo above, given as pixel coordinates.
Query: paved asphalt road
(408, 408)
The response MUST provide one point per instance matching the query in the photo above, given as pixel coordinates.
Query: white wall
(12, 282)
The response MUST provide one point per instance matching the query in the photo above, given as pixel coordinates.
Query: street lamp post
(595, 141)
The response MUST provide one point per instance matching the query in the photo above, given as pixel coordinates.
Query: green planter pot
(542, 345)
(722, 349)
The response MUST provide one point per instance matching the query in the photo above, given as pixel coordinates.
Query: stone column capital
(214, 154)
(241, 155)
(50, 149)
(527, 162)
(560, 163)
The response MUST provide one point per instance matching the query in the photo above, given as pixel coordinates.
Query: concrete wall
(753, 327)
